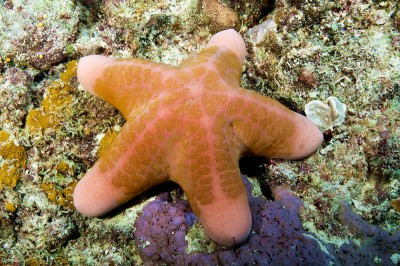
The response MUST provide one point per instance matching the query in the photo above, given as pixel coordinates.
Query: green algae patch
(56, 107)
(12, 161)
(198, 240)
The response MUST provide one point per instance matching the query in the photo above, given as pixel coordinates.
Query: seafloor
(52, 131)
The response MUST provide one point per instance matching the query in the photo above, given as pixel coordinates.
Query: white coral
(326, 114)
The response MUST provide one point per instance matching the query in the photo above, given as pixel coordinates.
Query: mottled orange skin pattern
(189, 124)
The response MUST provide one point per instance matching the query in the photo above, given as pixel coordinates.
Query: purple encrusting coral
(160, 232)
(277, 237)
(376, 244)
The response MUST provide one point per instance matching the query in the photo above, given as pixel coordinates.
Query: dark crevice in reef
(253, 166)
(268, 8)
(256, 167)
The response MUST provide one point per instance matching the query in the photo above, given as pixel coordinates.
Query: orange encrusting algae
(189, 124)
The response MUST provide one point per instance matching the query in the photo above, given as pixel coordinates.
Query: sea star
(189, 124)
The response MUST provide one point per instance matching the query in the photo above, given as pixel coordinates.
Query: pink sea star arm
(212, 182)
(133, 163)
(268, 128)
(221, 61)
(127, 84)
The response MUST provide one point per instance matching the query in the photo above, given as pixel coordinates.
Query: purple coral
(160, 230)
(376, 245)
(277, 237)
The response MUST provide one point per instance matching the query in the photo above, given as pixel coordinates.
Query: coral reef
(25, 27)
(15, 98)
(299, 51)
(218, 15)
